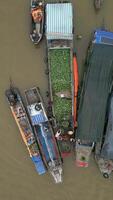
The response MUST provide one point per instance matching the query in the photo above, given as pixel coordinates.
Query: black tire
(37, 107)
(105, 175)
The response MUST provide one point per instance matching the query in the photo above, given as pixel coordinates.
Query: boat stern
(12, 95)
(56, 171)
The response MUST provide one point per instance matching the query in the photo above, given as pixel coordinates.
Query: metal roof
(95, 92)
(59, 21)
(37, 117)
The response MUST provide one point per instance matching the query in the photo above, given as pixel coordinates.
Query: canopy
(59, 21)
(95, 92)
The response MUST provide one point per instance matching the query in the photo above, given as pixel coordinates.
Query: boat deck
(32, 96)
(95, 91)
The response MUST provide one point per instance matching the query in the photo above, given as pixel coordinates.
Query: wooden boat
(105, 166)
(104, 151)
(44, 133)
(75, 78)
(97, 80)
(60, 101)
(37, 20)
(98, 4)
(22, 121)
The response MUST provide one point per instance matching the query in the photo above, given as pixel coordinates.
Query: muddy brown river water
(24, 63)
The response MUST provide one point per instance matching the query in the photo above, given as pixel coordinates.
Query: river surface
(24, 64)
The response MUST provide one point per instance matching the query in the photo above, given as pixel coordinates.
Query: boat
(104, 157)
(60, 71)
(61, 97)
(98, 4)
(19, 113)
(76, 83)
(44, 133)
(95, 89)
(83, 151)
(105, 166)
(37, 20)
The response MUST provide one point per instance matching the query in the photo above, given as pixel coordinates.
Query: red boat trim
(76, 82)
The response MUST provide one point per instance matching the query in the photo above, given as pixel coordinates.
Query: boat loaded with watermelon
(62, 64)
(44, 133)
(22, 121)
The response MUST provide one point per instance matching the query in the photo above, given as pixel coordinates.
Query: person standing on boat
(35, 36)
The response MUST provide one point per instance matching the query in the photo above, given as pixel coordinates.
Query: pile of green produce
(60, 71)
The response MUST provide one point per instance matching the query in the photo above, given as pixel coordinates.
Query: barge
(19, 113)
(95, 90)
(44, 133)
(59, 36)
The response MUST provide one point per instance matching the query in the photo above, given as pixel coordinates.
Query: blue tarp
(40, 168)
(38, 118)
(44, 146)
(50, 146)
(103, 37)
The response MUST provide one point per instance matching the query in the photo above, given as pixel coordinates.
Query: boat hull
(44, 133)
(22, 121)
(36, 26)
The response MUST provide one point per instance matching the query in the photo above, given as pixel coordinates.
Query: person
(34, 36)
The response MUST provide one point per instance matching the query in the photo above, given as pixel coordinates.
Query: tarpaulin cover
(107, 149)
(39, 164)
(95, 92)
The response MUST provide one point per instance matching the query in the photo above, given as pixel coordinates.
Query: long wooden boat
(22, 121)
(60, 72)
(44, 133)
(37, 20)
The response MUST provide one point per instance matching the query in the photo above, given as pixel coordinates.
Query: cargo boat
(37, 20)
(19, 113)
(44, 133)
(59, 37)
(95, 91)
(104, 155)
